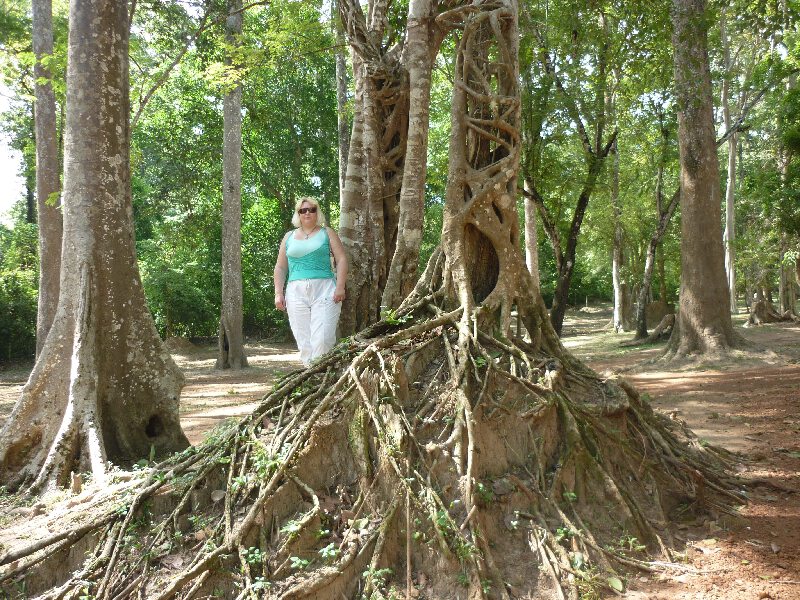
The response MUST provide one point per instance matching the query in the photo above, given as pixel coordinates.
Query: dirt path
(749, 407)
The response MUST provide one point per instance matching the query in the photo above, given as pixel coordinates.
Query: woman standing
(313, 292)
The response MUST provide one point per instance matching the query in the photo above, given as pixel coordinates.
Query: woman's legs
(324, 317)
(298, 307)
(313, 316)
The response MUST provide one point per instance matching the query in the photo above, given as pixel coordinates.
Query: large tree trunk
(729, 234)
(48, 172)
(230, 353)
(704, 320)
(418, 55)
(103, 389)
(373, 201)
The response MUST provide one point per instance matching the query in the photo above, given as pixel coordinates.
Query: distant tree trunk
(103, 388)
(230, 353)
(595, 151)
(561, 294)
(47, 172)
(418, 60)
(704, 320)
(531, 238)
(617, 257)
(664, 217)
(662, 278)
(730, 188)
(341, 101)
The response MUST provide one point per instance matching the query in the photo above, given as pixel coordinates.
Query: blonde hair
(313, 202)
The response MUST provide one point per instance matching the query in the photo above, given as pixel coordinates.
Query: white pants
(313, 316)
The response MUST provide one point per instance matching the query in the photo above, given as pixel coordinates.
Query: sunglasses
(305, 211)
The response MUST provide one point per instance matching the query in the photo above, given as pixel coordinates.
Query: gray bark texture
(103, 389)
(531, 239)
(616, 254)
(380, 221)
(729, 234)
(231, 338)
(48, 182)
(704, 322)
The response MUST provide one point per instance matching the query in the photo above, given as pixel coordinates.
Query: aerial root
(520, 455)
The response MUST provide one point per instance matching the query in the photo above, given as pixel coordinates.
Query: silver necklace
(308, 234)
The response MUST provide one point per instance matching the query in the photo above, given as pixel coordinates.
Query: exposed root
(375, 457)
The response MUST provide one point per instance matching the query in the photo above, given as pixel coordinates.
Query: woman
(314, 293)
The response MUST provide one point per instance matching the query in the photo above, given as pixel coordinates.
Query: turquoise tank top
(311, 258)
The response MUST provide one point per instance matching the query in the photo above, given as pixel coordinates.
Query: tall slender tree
(104, 389)
(704, 323)
(48, 171)
(230, 353)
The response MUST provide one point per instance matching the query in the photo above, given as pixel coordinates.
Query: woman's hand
(338, 294)
(280, 302)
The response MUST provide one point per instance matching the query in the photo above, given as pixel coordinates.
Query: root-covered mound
(374, 472)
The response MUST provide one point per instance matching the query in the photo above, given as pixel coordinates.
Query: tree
(589, 119)
(48, 171)
(703, 324)
(392, 62)
(384, 458)
(103, 389)
(231, 336)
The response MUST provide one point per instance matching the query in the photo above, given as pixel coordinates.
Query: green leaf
(615, 583)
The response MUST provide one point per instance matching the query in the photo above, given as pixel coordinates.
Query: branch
(743, 115)
(204, 24)
(572, 107)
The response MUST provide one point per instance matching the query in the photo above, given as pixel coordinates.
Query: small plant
(329, 552)
(463, 579)
(297, 563)
(254, 556)
(321, 533)
(292, 528)
(484, 492)
(570, 496)
(377, 577)
(390, 316)
(563, 533)
(260, 583)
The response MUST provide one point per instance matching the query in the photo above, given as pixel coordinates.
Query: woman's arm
(281, 269)
(341, 264)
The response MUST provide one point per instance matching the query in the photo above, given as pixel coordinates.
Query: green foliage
(18, 291)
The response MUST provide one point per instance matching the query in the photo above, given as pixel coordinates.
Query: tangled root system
(374, 474)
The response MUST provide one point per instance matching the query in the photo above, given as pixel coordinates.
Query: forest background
(600, 152)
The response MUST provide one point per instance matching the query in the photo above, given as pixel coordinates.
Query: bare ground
(749, 404)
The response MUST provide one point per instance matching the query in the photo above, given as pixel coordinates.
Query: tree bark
(341, 102)
(418, 61)
(103, 389)
(617, 257)
(730, 186)
(48, 184)
(704, 322)
(231, 353)
(531, 238)
(372, 199)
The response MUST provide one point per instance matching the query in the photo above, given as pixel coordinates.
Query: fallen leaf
(615, 583)
(775, 547)
(217, 495)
